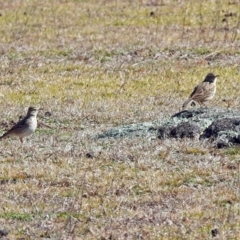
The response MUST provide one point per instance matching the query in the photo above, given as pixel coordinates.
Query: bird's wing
(20, 124)
(194, 91)
(200, 91)
(16, 128)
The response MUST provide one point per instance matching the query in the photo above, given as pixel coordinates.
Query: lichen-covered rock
(225, 131)
(182, 130)
(131, 130)
(220, 125)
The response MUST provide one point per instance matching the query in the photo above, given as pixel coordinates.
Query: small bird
(24, 127)
(204, 92)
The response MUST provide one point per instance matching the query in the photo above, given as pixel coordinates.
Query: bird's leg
(203, 104)
(193, 103)
(21, 140)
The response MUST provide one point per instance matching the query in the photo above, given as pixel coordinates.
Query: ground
(92, 65)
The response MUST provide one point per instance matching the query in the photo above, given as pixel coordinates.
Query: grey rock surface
(182, 130)
(219, 125)
(225, 130)
(131, 130)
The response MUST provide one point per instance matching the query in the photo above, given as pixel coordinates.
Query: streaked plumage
(204, 92)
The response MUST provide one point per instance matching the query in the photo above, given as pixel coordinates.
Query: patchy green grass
(16, 216)
(92, 65)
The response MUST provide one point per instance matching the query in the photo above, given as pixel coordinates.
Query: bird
(24, 127)
(204, 92)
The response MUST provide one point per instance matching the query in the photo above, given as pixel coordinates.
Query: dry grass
(98, 64)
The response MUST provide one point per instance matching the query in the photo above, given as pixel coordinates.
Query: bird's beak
(217, 75)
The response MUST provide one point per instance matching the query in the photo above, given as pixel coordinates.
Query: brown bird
(204, 92)
(24, 127)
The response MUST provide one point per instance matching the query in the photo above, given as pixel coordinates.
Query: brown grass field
(92, 65)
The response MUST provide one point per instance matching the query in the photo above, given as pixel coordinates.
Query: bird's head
(210, 78)
(32, 111)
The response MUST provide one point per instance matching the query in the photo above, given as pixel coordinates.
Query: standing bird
(24, 127)
(204, 92)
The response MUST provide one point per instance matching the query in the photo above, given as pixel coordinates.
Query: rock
(226, 131)
(182, 130)
(89, 155)
(214, 232)
(3, 232)
(219, 125)
(131, 130)
(226, 125)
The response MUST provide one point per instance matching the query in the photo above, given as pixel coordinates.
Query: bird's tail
(186, 104)
(4, 135)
